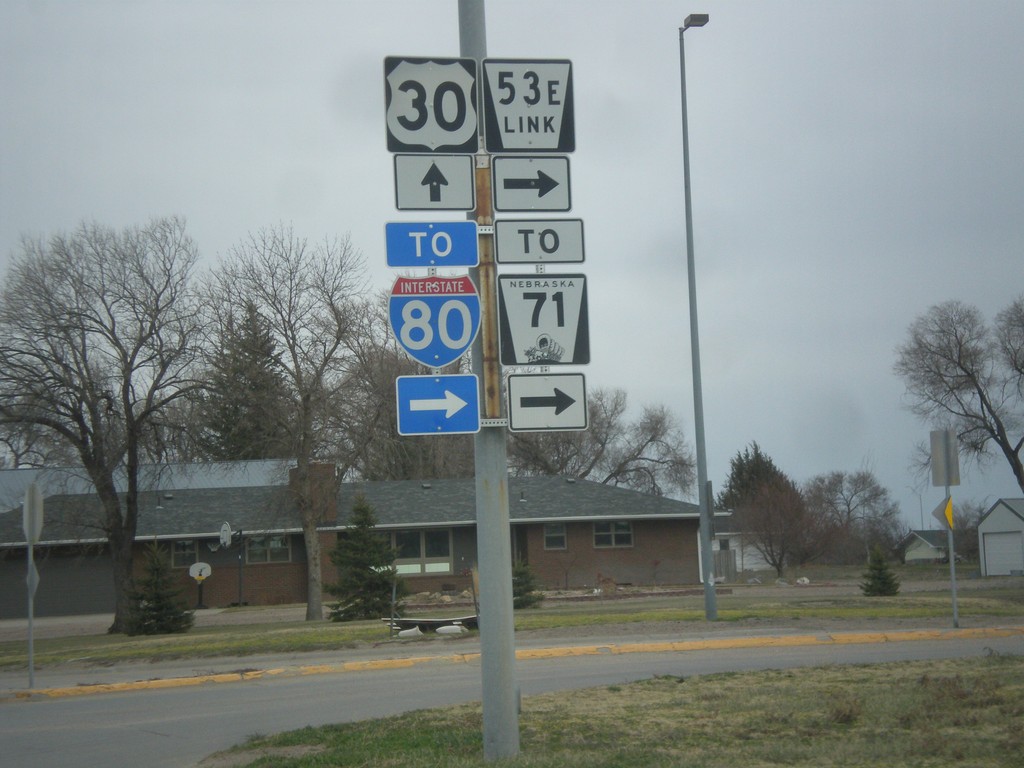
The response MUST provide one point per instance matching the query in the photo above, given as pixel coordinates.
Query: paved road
(173, 715)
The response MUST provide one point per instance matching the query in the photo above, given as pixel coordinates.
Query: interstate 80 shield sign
(435, 319)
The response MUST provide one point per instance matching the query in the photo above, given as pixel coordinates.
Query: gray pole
(707, 557)
(493, 532)
(952, 569)
(950, 439)
(30, 581)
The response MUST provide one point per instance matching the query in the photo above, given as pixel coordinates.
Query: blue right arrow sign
(438, 405)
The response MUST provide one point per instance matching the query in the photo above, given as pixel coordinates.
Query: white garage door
(1004, 552)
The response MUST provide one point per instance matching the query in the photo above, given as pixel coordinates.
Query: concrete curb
(526, 654)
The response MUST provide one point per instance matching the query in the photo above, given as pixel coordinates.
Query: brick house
(572, 533)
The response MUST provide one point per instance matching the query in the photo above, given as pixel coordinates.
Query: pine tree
(157, 607)
(524, 587)
(366, 569)
(245, 406)
(879, 579)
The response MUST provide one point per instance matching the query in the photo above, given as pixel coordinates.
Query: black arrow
(559, 401)
(543, 183)
(434, 179)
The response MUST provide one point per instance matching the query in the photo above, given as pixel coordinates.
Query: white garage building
(1001, 539)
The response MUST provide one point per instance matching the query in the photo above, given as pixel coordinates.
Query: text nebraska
(563, 283)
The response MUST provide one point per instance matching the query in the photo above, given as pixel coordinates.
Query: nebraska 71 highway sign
(542, 319)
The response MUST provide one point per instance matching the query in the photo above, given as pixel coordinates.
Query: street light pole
(703, 491)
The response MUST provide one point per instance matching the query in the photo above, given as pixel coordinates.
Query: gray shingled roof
(531, 499)
(1016, 506)
(200, 512)
(934, 539)
(195, 512)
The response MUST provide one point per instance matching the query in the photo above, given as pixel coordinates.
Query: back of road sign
(945, 458)
(32, 514)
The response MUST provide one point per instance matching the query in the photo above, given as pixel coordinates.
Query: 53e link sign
(432, 105)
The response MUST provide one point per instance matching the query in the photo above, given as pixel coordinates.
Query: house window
(423, 552)
(618, 533)
(268, 549)
(184, 553)
(554, 535)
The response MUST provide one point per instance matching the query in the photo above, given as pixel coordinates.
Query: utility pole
(707, 556)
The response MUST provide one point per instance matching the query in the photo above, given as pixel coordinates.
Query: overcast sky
(852, 164)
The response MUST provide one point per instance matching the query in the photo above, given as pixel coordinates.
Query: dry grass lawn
(965, 713)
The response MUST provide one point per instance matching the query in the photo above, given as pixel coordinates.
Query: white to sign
(547, 402)
(432, 244)
(538, 241)
(531, 183)
(438, 405)
(542, 320)
(528, 106)
(434, 182)
(431, 104)
(435, 319)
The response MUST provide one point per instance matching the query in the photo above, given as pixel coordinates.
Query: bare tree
(28, 445)
(98, 335)
(306, 293)
(860, 513)
(966, 516)
(960, 373)
(774, 518)
(648, 454)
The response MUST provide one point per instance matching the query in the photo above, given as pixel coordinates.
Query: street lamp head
(695, 20)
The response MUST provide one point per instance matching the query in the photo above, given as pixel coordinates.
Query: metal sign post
(946, 472)
(494, 547)
(32, 523)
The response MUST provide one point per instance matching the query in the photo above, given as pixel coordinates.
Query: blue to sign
(438, 405)
(438, 244)
(435, 319)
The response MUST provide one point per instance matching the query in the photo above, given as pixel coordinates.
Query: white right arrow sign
(547, 402)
